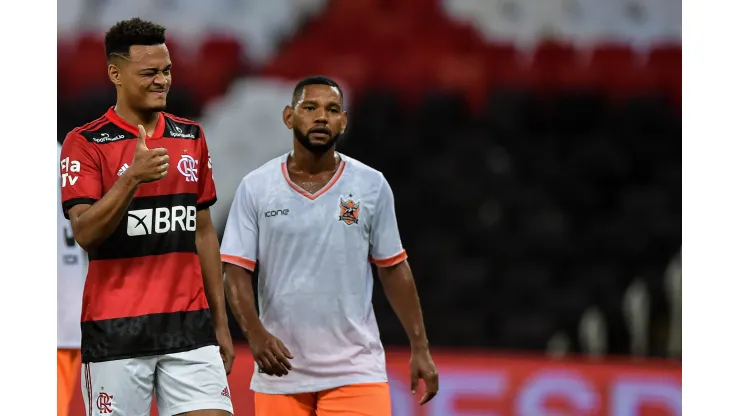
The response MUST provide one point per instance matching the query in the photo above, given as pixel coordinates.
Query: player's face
(317, 119)
(146, 77)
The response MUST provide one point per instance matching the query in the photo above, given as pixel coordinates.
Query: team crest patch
(349, 211)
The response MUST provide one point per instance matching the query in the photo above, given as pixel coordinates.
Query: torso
(315, 279)
(145, 278)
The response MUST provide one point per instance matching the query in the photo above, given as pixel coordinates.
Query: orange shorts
(68, 369)
(373, 399)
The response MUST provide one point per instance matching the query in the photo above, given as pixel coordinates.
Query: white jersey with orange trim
(71, 270)
(315, 284)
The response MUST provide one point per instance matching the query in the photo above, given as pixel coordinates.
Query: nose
(321, 116)
(160, 79)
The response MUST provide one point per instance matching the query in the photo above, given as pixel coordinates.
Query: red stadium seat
(218, 63)
(666, 61)
(618, 56)
(612, 61)
(500, 53)
(463, 73)
(574, 76)
(621, 84)
(665, 57)
(65, 61)
(406, 73)
(515, 73)
(350, 71)
(88, 65)
(550, 54)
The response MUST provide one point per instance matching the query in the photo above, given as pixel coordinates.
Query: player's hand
(423, 367)
(226, 347)
(148, 165)
(270, 353)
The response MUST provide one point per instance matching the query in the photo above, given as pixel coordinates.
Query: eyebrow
(156, 69)
(314, 103)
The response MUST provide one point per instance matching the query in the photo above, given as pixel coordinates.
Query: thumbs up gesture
(148, 165)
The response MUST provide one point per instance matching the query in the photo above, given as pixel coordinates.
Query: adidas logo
(225, 393)
(123, 169)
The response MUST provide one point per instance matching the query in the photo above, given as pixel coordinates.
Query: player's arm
(239, 255)
(95, 217)
(400, 289)
(241, 297)
(206, 243)
(398, 284)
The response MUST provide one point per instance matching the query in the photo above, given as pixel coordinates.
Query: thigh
(192, 380)
(119, 387)
(303, 404)
(371, 399)
(68, 367)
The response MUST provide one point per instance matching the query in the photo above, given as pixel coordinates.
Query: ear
(114, 74)
(288, 117)
(344, 122)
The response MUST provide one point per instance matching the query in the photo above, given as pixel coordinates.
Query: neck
(312, 163)
(148, 119)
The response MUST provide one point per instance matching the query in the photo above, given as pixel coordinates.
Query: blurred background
(534, 148)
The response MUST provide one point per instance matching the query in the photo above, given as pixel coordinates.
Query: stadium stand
(533, 145)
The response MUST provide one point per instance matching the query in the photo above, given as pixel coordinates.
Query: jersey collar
(118, 121)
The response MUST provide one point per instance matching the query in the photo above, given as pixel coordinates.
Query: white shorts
(183, 382)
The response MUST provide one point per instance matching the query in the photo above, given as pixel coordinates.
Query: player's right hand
(149, 165)
(270, 353)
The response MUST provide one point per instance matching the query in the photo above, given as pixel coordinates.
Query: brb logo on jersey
(160, 220)
(189, 168)
(349, 211)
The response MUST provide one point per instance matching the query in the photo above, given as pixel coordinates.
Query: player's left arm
(394, 272)
(206, 242)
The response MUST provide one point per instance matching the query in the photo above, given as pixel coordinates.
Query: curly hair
(126, 33)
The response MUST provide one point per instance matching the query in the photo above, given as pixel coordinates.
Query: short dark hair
(123, 35)
(314, 80)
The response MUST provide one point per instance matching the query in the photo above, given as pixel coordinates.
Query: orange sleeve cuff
(239, 261)
(390, 261)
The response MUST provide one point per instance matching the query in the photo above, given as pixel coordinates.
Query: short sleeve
(206, 186)
(80, 173)
(385, 241)
(241, 236)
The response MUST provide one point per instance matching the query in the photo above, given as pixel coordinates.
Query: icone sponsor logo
(178, 133)
(277, 212)
(68, 168)
(160, 220)
(105, 138)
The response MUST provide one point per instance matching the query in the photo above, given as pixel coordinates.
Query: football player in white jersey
(71, 271)
(314, 220)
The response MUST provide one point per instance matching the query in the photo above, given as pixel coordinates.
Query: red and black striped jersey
(144, 291)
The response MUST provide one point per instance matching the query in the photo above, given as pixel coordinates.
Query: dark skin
(400, 289)
(142, 80)
(316, 118)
